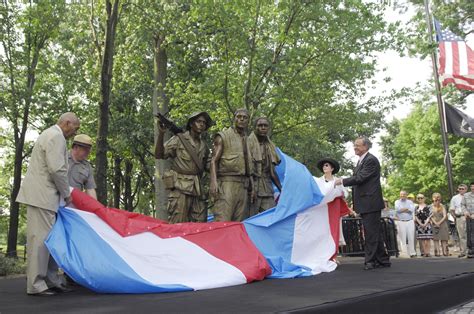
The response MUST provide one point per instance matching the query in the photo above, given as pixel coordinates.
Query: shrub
(10, 266)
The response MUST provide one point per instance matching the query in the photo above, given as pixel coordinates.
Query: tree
(413, 159)
(106, 58)
(416, 155)
(305, 65)
(289, 62)
(25, 34)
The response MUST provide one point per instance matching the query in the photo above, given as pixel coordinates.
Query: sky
(404, 72)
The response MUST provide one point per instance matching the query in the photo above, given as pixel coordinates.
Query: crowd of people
(416, 220)
(241, 184)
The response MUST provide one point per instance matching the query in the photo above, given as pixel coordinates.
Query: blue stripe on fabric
(273, 230)
(92, 262)
(276, 244)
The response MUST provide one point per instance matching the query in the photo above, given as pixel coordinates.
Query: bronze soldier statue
(189, 154)
(231, 171)
(265, 159)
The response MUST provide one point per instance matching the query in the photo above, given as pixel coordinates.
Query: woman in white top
(329, 167)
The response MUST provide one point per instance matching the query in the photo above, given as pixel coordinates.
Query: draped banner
(114, 251)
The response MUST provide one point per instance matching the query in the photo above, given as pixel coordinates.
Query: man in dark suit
(368, 202)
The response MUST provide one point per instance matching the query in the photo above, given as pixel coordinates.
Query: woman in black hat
(329, 167)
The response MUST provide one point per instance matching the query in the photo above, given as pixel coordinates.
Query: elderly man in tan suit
(45, 185)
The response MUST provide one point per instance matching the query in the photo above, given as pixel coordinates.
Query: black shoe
(384, 265)
(369, 266)
(45, 293)
(61, 289)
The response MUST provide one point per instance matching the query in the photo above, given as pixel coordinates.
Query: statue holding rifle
(189, 155)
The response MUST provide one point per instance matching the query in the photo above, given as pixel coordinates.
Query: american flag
(456, 59)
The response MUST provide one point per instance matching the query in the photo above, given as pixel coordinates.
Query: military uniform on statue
(231, 171)
(265, 158)
(189, 154)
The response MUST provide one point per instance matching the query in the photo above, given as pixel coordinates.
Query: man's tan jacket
(46, 180)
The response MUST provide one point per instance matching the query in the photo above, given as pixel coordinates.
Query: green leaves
(304, 64)
(416, 155)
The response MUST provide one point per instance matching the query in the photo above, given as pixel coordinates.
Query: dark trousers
(470, 236)
(375, 252)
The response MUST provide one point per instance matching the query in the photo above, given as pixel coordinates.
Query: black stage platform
(418, 285)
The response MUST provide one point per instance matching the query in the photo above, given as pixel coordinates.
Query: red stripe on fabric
(227, 241)
(465, 82)
(234, 246)
(442, 59)
(459, 79)
(468, 80)
(446, 81)
(456, 59)
(123, 222)
(126, 223)
(336, 209)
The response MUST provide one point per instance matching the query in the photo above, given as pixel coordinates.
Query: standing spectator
(439, 220)
(387, 212)
(468, 208)
(231, 171)
(456, 210)
(411, 197)
(424, 233)
(368, 202)
(405, 209)
(44, 187)
(80, 173)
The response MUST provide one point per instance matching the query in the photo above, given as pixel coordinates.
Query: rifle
(167, 123)
(179, 133)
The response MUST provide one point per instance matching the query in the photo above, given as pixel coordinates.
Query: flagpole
(442, 117)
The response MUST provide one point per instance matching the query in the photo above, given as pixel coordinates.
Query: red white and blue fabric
(456, 59)
(114, 251)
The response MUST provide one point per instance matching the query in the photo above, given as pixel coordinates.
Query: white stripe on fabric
(313, 245)
(167, 261)
(463, 67)
(448, 70)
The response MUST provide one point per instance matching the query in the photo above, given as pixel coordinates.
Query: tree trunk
(117, 181)
(35, 44)
(14, 206)
(105, 89)
(128, 197)
(160, 104)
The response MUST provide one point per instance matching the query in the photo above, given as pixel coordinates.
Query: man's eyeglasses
(420, 198)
